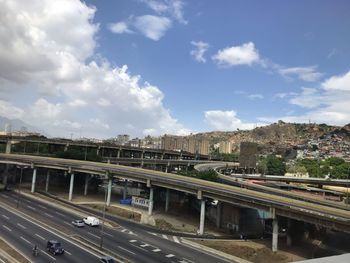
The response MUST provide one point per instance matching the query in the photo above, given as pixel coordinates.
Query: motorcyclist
(35, 250)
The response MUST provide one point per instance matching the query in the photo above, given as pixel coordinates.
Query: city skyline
(142, 67)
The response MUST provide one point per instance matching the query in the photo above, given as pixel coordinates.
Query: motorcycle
(35, 252)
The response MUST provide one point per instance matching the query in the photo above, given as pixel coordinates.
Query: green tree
(272, 165)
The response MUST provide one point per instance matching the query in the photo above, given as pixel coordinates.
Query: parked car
(91, 221)
(78, 223)
(107, 259)
(54, 247)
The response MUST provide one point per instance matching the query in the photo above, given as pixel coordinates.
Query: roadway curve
(285, 206)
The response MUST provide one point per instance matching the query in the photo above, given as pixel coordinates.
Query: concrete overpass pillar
(118, 153)
(8, 147)
(202, 217)
(33, 180)
(70, 196)
(109, 192)
(150, 207)
(125, 190)
(289, 236)
(274, 230)
(47, 181)
(218, 214)
(86, 186)
(167, 196)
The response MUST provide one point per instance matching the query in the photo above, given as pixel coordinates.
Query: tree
(272, 165)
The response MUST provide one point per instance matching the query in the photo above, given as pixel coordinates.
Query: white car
(91, 221)
(78, 223)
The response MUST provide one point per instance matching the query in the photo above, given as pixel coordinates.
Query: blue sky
(192, 66)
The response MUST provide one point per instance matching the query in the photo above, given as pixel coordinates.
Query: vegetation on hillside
(271, 165)
(209, 175)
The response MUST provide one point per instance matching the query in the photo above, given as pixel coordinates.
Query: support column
(125, 191)
(202, 217)
(86, 186)
(118, 154)
(167, 196)
(71, 187)
(8, 147)
(47, 181)
(33, 180)
(274, 231)
(150, 207)
(218, 214)
(109, 191)
(289, 236)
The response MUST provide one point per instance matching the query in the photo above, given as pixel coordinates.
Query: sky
(100, 68)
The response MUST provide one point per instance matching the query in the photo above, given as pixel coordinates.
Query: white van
(91, 221)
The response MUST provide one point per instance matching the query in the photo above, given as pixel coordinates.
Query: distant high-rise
(192, 143)
(225, 147)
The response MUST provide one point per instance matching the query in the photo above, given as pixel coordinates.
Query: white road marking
(170, 256)
(127, 250)
(43, 207)
(176, 239)
(152, 233)
(24, 239)
(22, 226)
(186, 260)
(48, 215)
(6, 196)
(42, 251)
(91, 234)
(40, 236)
(107, 234)
(131, 233)
(65, 251)
(60, 214)
(5, 216)
(145, 245)
(67, 223)
(156, 250)
(124, 230)
(132, 241)
(9, 229)
(164, 236)
(30, 207)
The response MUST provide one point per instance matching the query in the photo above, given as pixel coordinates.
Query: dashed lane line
(43, 207)
(49, 215)
(7, 228)
(156, 250)
(107, 234)
(30, 207)
(132, 241)
(21, 226)
(124, 230)
(40, 236)
(60, 214)
(144, 245)
(25, 240)
(4, 216)
(127, 250)
(169, 256)
(165, 236)
(91, 234)
(42, 251)
(65, 251)
(67, 223)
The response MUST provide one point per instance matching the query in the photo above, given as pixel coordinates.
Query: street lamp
(19, 185)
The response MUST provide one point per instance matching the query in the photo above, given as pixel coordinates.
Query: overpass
(320, 214)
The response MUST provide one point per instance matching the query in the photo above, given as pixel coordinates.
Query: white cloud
(153, 27)
(341, 82)
(226, 120)
(174, 8)
(255, 96)
(327, 104)
(119, 28)
(245, 54)
(198, 53)
(47, 51)
(309, 74)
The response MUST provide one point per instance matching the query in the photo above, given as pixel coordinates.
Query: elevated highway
(320, 214)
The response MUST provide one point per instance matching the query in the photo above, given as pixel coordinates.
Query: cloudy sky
(98, 68)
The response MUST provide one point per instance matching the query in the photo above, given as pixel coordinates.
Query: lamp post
(19, 185)
(103, 218)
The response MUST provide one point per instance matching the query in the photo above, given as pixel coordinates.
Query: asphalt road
(133, 244)
(24, 234)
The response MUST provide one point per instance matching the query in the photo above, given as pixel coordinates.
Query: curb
(214, 251)
(8, 256)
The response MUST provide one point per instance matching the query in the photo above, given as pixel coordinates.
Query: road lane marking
(127, 250)
(30, 207)
(51, 216)
(42, 251)
(43, 207)
(91, 234)
(170, 256)
(60, 214)
(132, 241)
(40, 237)
(107, 234)
(186, 260)
(65, 251)
(6, 217)
(67, 223)
(139, 247)
(164, 236)
(5, 196)
(156, 250)
(131, 233)
(9, 229)
(28, 201)
(123, 230)
(24, 239)
(22, 226)
(145, 245)
(176, 239)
